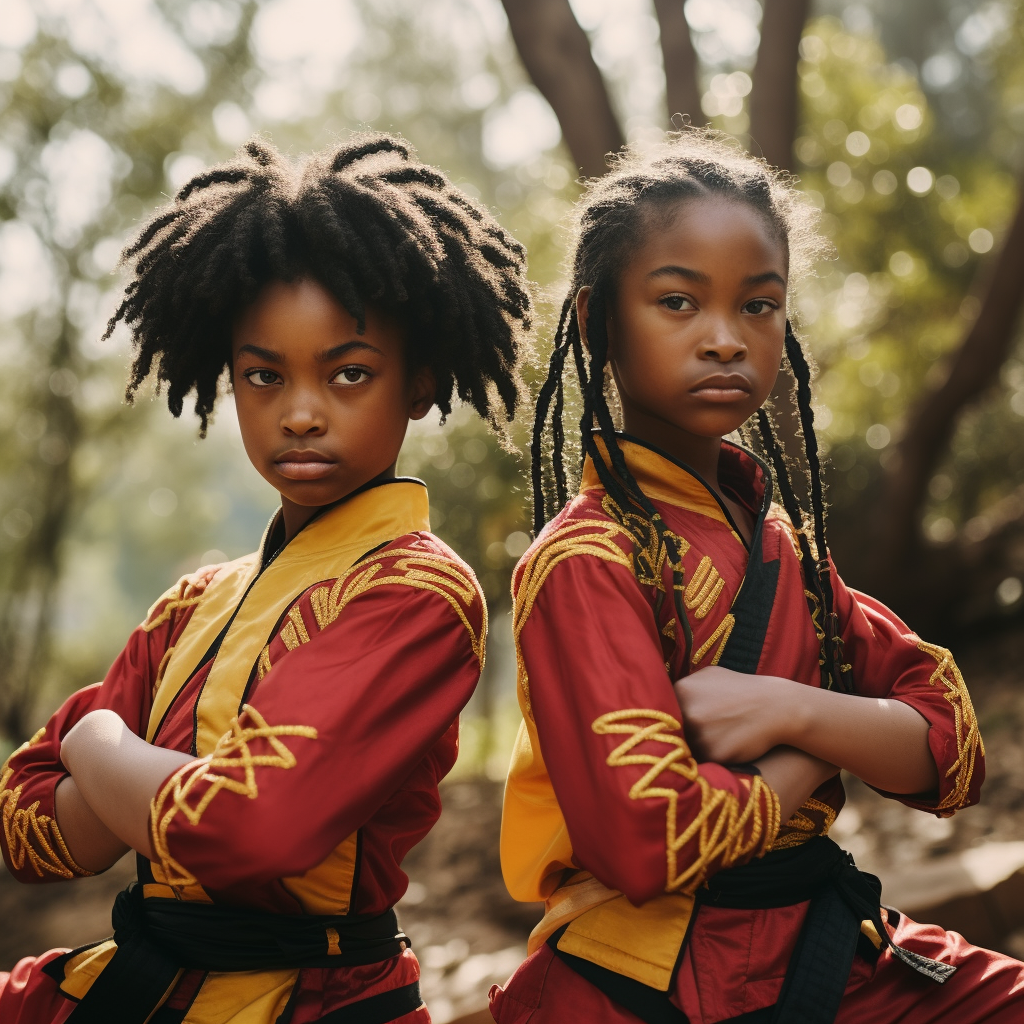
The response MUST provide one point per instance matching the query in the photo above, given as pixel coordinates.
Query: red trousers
(732, 966)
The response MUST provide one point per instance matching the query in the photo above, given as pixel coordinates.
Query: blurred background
(904, 124)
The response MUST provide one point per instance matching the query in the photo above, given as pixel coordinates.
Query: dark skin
(696, 333)
(323, 410)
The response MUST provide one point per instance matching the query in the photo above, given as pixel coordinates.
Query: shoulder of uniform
(179, 599)
(586, 528)
(417, 560)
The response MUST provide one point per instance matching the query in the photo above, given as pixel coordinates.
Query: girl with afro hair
(271, 740)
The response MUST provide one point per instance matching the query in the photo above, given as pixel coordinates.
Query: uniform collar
(663, 478)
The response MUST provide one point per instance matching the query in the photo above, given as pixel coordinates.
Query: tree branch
(932, 422)
(773, 99)
(682, 93)
(556, 54)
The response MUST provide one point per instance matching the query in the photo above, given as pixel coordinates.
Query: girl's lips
(308, 470)
(721, 394)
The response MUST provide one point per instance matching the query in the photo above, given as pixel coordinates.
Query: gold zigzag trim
(232, 751)
(720, 825)
(423, 572)
(31, 836)
(968, 736)
(594, 537)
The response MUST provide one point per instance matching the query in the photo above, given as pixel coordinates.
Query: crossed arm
(800, 736)
(102, 807)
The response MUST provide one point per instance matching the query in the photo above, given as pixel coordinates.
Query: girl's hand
(733, 717)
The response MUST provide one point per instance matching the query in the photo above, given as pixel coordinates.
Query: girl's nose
(303, 417)
(724, 344)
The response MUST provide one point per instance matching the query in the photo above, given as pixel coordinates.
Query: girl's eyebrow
(267, 354)
(330, 354)
(674, 271)
(769, 275)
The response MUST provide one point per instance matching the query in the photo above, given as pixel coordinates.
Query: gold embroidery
(263, 666)
(703, 589)
(32, 836)
(424, 572)
(232, 751)
(649, 556)
(968, 737)
(595, 537)
(333, 942)
(290, 637)
(720, 824)
(804, 827)
(177, 597)
(722, 631)
(300, 627)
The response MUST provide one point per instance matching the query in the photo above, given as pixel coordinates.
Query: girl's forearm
(92, 845)
(793, 775)
(884, 742)
(118, 774)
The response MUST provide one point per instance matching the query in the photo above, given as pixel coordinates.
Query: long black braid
(368, 222)
(611, 218)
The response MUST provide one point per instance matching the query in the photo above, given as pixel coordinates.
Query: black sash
(156, 938)
(841, 897)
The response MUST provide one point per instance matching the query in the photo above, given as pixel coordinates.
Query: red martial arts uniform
(320, 689)
(610, 820)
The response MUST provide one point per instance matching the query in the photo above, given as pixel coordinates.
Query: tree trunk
(931, 423)
(774, 102)
(682, 91)
(556, 54)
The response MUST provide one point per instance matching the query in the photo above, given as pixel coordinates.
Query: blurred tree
(82, 151)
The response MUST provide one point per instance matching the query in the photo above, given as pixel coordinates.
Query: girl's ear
(422, 392)
(583, 312)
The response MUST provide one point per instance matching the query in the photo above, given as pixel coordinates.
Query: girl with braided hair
(271, 740)
(692, 671)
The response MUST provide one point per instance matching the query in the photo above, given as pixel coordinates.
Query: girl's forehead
(711, 228)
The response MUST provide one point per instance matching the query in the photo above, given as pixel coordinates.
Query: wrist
(793, 714)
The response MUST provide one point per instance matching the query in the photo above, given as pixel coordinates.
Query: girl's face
(697, 326)
(322, 409)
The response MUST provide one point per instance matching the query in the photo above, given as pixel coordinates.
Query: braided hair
(369, 223)
(611, 219)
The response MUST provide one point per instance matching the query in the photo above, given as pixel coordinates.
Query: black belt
(157, 938)
(841, 897)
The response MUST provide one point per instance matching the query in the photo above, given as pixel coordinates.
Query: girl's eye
(758, 306)
(261, 378)
(677, 302)
(351, 375)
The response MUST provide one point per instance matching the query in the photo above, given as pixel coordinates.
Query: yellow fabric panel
(641, 943)
(192, 893)
(327, 888)
(80, 972)
(535, 846)
(210, 617)
(243, 997)
(659, 478)
(325, 549)
(572, 899)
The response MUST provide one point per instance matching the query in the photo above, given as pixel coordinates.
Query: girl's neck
(701, 454)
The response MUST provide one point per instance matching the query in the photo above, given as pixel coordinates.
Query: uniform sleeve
(331, 732)
(643, 816)
(889, 660)
(33, 847)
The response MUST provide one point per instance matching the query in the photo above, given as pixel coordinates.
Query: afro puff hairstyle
(369, 223)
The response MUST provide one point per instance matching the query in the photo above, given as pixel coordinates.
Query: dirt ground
(469, 934)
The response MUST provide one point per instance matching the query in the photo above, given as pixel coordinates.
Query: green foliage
(912, 218)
